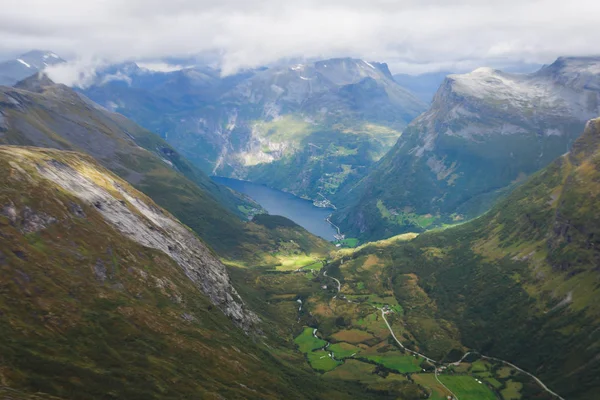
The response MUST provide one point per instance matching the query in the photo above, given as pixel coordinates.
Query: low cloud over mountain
(412, 36)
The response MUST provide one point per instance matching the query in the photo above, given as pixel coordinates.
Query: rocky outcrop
(137, 218)
(27, 220)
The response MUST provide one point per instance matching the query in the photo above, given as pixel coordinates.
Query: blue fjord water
(276, 202)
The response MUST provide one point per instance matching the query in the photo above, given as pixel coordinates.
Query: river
(276, 202)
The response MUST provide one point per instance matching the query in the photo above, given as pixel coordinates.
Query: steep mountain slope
(518, 283)
(302, 128)
(107, 136)
(12, 71)
(484, 131)
(38, 112)
(106, 294)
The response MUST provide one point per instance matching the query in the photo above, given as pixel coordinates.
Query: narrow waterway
(276, 202)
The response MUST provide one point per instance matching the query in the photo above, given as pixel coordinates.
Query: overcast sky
(411, 35)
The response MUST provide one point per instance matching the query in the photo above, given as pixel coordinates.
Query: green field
(399, 363)
(354, 336)
(292, 263)
(512, 391)
(479, 366)
(369, 319)
(343, 350)
(504, 372)
(348, 242)
(438, 392)
(402, 218)
(321, 361)
(467, 388)
(494, 382)
(354, 370)
(307, 342)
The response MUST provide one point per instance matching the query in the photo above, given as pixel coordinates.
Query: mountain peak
(579, 72)
(344, 71)
(588, 143)
(485, 71)
(46, 54)
(26, 64)
(383, 67)
(569, 65)
(40, 59)
(37, 83)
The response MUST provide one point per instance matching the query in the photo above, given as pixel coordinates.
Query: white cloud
(411, 35)
(160, 66)
(80, 72)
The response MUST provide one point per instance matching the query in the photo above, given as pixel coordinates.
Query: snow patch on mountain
(24, 63)
(369, 64)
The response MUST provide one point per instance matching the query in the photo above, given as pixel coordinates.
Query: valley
(443, 312)
(323, 123)
(357, 346)
(351, 243)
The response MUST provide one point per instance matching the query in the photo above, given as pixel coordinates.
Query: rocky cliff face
(483, 132)
(129, 212)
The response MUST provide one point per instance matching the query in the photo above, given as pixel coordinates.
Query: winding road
(383, 313)
(328, 219)
(526, 373)
(339, 284)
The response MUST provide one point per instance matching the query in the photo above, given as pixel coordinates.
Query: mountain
(519, 283)
(424, 85)
(25, 65)
(484, 132)
(123, 208)
(39, 113)
(324, 122)
(104, 293)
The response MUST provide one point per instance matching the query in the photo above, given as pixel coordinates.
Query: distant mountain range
(25, 65)
(323, 130)
(322, 123)
(484, 132)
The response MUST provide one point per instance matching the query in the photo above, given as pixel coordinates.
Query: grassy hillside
(519, 283)
(87, 313)
(40, 113)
